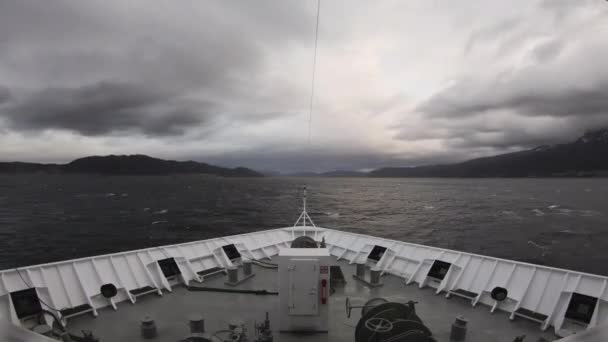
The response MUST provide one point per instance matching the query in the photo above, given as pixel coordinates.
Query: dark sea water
(557, 222)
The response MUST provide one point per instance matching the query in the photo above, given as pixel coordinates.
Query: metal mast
(304, 215)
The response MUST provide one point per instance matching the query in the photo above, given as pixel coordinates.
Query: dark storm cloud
(509, 137)
(216, 46)
(5, 94)
(464, 99)
(545, 83)
(64, 50)
(467, 135)
(504, 116)
(103, 108)
(552, 88)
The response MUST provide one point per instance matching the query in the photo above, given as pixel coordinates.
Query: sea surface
(556, 222)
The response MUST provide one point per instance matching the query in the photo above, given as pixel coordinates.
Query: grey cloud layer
(463, 100)
(5, 94)
(234, 78)
(97, 68)
(553, 89)
(103, 108)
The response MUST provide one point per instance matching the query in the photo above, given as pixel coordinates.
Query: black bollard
(459, 329)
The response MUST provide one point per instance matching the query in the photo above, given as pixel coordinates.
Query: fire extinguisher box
(304, 289)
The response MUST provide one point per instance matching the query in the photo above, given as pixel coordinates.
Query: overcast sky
(228, 82)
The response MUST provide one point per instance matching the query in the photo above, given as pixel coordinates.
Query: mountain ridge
(137, 164)
(585, 157)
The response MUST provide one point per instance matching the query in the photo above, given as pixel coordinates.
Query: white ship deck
(538, 296)
(172, 310)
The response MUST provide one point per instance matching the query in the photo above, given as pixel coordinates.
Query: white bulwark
(564, 300)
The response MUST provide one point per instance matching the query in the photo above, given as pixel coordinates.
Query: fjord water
(556, 222)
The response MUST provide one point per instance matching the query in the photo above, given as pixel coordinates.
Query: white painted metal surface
(304, 289)
(541, 290)
(596, 334)
(13, 333)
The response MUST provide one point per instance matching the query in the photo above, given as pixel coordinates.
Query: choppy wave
(568, 232)
(544, 249)
(556, 209)
(530, 242)
(575, 212)
(538, 212)
(511, 214)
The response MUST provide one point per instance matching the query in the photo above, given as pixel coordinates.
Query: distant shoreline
(586, 157)
(126, 165)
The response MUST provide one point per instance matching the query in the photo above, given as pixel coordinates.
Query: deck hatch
(464, 293)
(169, 267)
(231, 252)
(377, 253)
(535, 316)
(142, 290)
(211, 271)
(69, 312)
(26, 303)
(581, 307)
(439, 269)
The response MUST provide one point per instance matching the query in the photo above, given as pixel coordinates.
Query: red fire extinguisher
(323, 291)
